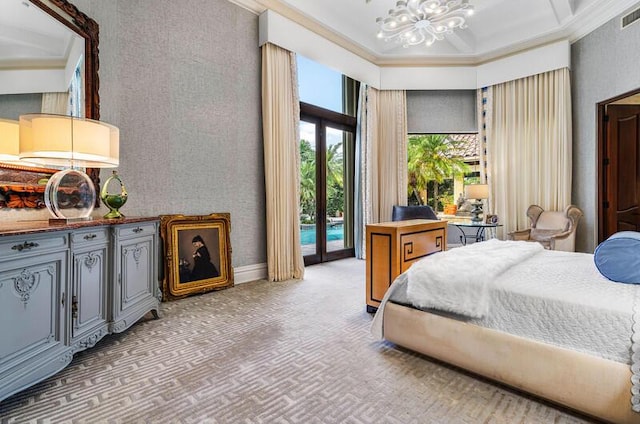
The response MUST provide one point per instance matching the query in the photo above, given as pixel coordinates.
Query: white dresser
(63, 288)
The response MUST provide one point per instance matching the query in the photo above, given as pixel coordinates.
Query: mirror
(44, 44)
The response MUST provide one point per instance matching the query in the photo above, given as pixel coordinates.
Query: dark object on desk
(403, 213)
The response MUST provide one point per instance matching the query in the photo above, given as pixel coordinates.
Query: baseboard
(244, 274)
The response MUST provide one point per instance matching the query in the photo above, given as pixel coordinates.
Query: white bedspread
(558, 298)
(458, 280)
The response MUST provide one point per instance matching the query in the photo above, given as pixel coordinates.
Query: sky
(320, 86)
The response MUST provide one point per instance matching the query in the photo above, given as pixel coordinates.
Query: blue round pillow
(618, 257)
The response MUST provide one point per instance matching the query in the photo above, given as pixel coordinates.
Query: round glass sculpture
(70, 195)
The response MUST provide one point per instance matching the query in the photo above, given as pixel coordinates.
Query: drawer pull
(137, 230)
(25, 246)
(90, 236)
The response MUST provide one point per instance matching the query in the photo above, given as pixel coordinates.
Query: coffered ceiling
(29, 38)
(497, 28)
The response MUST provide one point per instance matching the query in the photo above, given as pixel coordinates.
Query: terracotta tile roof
(469, 146)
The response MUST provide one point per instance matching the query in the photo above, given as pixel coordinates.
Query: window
(323, 87)
(327, 161)
(439, 166)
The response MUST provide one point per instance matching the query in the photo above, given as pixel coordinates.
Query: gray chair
(403, 213)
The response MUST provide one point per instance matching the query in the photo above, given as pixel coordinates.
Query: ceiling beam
(463, 41)
(45, 44)
(562, 10)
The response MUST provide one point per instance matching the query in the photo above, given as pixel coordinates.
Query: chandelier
(413, 22)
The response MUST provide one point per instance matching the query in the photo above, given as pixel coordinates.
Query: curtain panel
(381, 155)
(528, 145)
(56, 103)
(280, 125)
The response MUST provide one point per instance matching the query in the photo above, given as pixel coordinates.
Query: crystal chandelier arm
(413, 22)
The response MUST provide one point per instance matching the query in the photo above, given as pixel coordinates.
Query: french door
(327, 159)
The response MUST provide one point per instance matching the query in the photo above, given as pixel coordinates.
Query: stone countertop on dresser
(13, 228)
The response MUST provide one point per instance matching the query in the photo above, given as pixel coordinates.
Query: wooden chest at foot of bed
(391, 249)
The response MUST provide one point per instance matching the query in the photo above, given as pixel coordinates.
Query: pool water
(308, 234)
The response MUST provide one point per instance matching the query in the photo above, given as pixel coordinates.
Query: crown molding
(598, 14)
(317, 27)
(250, 5)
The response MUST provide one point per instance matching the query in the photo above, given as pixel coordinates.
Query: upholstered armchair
(555, 230)
(403, 213)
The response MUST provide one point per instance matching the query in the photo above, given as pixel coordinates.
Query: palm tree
(432, 158)
(307, 179)
(335, 179)
(334, 164)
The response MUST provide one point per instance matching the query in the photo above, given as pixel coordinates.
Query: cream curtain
(529, 146)
(391, 149)
(56, 103)
(381, 144)
(280, 123)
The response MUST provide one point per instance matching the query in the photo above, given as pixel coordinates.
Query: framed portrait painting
(197, 254)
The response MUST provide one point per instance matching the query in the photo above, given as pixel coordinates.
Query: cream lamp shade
(9, 146)
(61, 140)
(476, 191)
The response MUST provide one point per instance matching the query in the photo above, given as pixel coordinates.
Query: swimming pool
(308, 234)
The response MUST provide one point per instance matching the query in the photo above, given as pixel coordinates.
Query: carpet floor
(289, 352)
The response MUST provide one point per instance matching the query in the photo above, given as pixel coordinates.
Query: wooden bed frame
(594, 386)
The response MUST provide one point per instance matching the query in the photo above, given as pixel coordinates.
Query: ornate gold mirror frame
(87, 28)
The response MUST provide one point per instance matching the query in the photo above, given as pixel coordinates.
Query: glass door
(326, 191)
(308, 191)
(339, 183)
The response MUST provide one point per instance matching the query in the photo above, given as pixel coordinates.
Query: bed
(547, 323)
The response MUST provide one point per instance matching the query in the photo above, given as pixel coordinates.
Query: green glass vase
(113, 201)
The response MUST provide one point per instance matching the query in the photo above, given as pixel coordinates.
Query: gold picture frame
(197, 254)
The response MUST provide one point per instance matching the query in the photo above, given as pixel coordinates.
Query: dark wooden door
(622, 169)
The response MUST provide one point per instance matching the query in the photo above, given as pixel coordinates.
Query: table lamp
(477, 192)
(9, 141)
(68, 142)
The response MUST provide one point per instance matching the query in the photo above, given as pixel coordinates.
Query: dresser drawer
(417, 245)
(28, 245)
(136, 230)
(89, 236)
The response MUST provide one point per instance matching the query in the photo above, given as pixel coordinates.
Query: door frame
(602, 157)
(321, 118)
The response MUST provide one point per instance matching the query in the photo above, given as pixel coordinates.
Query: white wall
(605, 65)
(183, 85)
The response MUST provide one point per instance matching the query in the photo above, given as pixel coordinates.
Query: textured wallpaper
(14, 105)
(441, 111)
(182, 82)
(604, 64)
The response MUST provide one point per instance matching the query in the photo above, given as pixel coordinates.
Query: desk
(393, 246)
(479, 226)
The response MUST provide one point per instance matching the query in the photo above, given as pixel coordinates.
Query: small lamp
(477, 192)
(69, 142)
